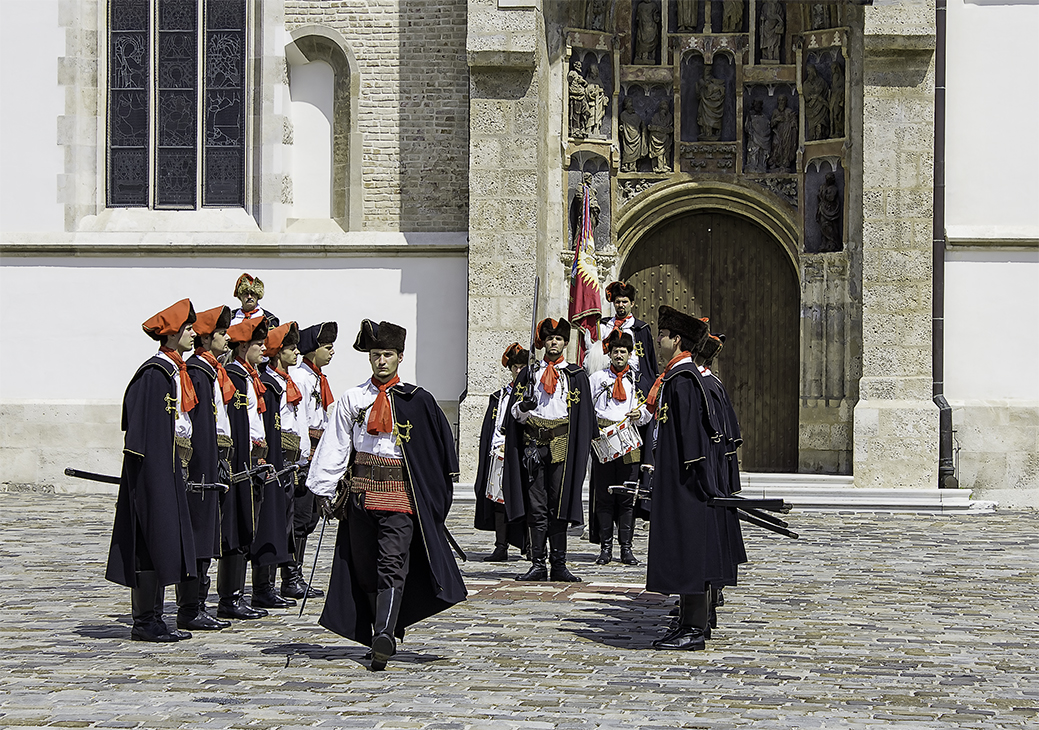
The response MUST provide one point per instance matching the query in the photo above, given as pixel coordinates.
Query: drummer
(619, 407)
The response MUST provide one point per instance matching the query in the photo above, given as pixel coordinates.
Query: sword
(70, 472)
(451, 540)
(750, 519)
(772, 505)
(317, 551)
(531, 359)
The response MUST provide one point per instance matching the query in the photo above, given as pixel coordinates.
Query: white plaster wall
(993, 119)
(311, 87)
(992, 325)
(31, 42)
(77, 323)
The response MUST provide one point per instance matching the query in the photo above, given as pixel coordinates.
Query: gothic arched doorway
(728, 269)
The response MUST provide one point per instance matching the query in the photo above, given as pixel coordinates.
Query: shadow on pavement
(354, 654)
(620, 623)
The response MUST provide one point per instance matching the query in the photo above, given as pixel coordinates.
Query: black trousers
(305, 513)
(545, 483)
(380, 546)
(610, 508)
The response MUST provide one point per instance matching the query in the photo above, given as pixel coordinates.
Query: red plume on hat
(515, 354)
(170, 320)
(618, 338)
(548, 327)
(619, 289)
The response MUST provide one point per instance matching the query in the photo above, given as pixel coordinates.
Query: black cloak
(204, 465)
(240, 505)
(152, 529)
(582, 428)
(686, 546)
(727, 464)
(272, 543)
(434, 582)
(485, 508)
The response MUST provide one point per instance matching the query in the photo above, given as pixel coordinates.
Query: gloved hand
(527, 405)
(324, 505)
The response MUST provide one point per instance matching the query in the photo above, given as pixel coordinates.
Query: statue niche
(647, 32)
(824, 204)
(732, 16)
(589, 172)
(710, 93)
(815, 94)
(783, 154)
(771, 26)
(632, 136)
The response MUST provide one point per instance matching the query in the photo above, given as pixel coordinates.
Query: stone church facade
(770, 165)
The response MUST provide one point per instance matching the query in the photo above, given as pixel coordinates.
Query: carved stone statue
(837, 100)
(828, 215)
(820, 16)
(784, 137)
(759, 137)
(815, 96)
(772, 27)
(597, 101)
(597, 12)
(647, 32)
(687, 11)
(711, 95)
(661, 137)
(594, 209)
(732, 16)
(577, 93)
(632, 137)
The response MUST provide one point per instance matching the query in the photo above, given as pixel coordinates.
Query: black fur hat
(317, 335)
(693, 331)
(618, 338)
(514, 354)
(380, 336)
(617, 289)
(711, 347)
(549, 327)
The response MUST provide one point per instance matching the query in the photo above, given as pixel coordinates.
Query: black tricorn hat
(693, 331)
(380, 336)
(549, 327)
(618, 338)
(515, 354)
(711, 347)
(317, 335)
(617, 289)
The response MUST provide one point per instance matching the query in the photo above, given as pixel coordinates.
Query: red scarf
(226, 386)
(326, 390)
(380, 418)
(258, 387)
(551, 376)
(188, 399)
(251, 313)
(292, 393)
(651, 402)
(618, 385)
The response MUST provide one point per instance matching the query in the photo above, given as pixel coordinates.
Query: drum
(617, 440)
(494, 490)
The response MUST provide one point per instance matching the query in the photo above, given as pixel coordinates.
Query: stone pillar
(896, 423)
(504, 115)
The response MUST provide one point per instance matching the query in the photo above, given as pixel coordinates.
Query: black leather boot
(605, 553)
(264, 594)
(384, 643)
(230, 584)
(160, 610)
(625, 533)
(189, 611)
(557, 559)
(143, 598)
(691, 633)
(605, 539)
(537, 571)
(501, 543)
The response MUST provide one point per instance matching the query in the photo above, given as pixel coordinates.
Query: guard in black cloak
(547, 439)
(686, 550)
(490, 496)
(152, 545)
(643, 356)
(317, 345)
(392, 565)
(618, 402)
(726, 461)
(241, 504)
(272, 543)
(209, 428)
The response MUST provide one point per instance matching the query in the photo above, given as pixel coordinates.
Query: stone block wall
(413, 108)
(997, 450)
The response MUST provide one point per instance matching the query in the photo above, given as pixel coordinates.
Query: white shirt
(256, 429)
(498, 436)
(605, 328)
(182, 426)
(345, 432)
(309, 384)
(614, 410)
(291, 418)
(223, 424)
(549, 407)
(239, 316)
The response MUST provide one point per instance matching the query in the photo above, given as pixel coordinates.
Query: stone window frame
(312, 43)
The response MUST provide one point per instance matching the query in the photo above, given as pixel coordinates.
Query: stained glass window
(224, 161)
(129, 66)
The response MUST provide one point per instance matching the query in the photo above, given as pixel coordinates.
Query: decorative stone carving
(687, 11)
(771, 28)
(828, 215)
(732, 16)
(647, 32)
(821, 16)
(628, 189)
(596, 15)
(594, 210)
(711, 94)
(786, 188)
(708, 158)
(758, 130)
(597, 100)
(837, 100)
(815, 95)
(632, 137)
(784, 137)
(577, 94)
(661, 138)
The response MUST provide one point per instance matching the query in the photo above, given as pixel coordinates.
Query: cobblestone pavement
(867, 621)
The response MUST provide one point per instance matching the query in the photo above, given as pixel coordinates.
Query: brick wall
(413, 106)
